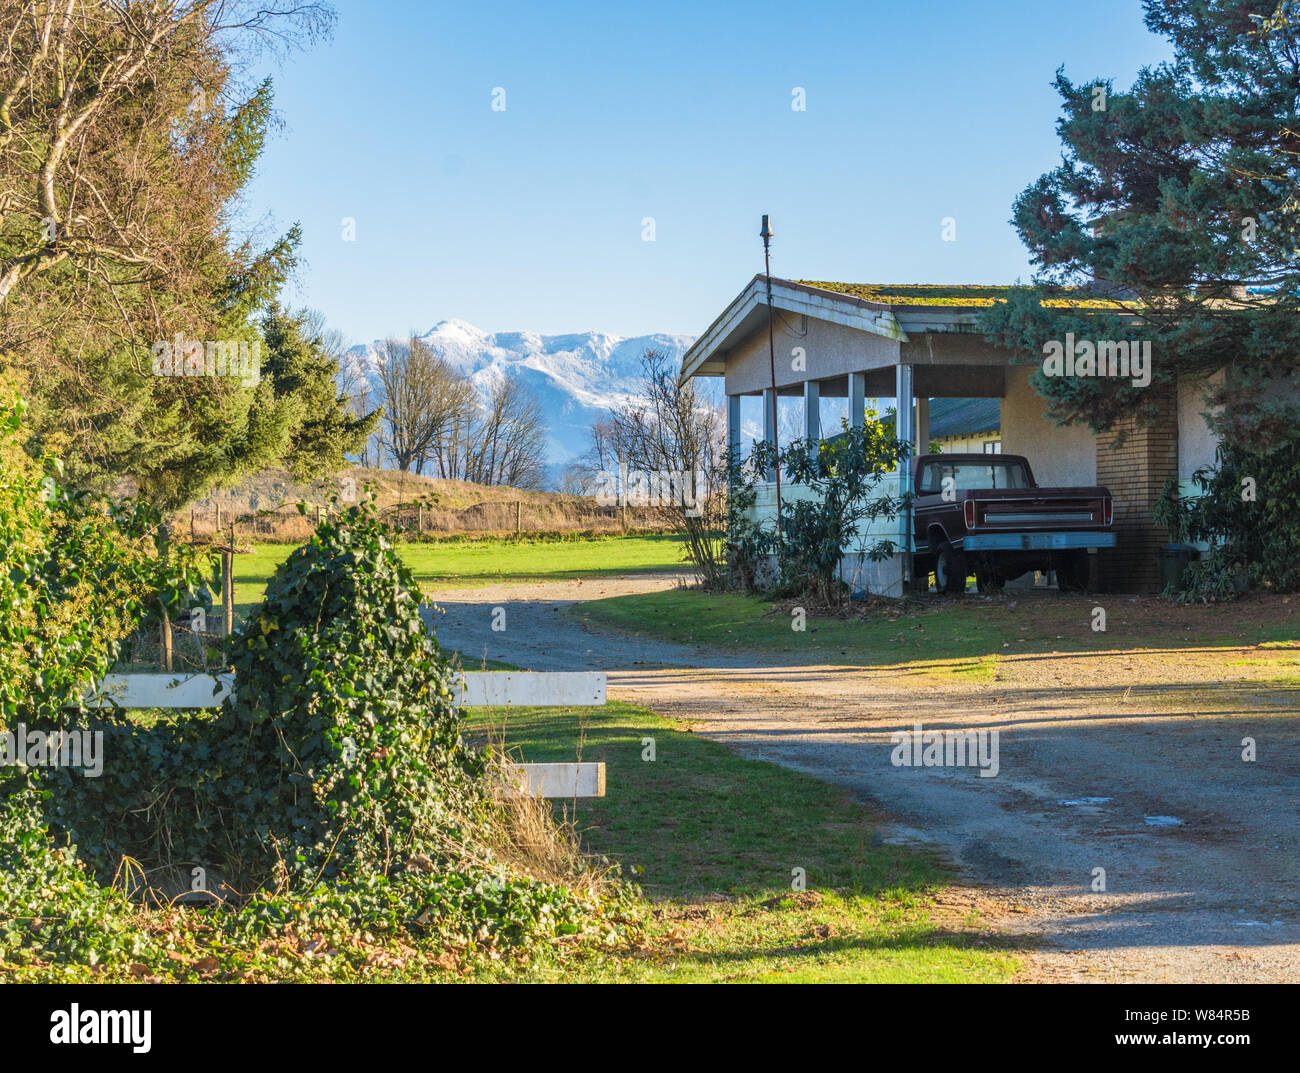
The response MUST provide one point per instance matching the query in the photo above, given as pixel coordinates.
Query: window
(993, 447)
(972, 476)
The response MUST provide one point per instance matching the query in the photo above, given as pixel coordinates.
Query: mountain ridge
(577, 376)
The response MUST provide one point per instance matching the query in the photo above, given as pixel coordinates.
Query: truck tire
(949, 569)
(1071, 571)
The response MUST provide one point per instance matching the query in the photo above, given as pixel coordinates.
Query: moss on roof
(953, 295)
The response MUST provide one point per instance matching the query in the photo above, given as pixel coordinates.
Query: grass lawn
(964, 634)
(472, 563)
(713, 838)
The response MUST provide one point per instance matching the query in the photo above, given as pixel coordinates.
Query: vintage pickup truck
(985, 515)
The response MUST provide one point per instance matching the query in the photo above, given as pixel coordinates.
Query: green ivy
(333, 793)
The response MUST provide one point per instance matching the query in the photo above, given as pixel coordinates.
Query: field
(264, 507)
(481, 562)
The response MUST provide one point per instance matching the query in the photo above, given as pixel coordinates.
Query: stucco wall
(1196, 443)
(830, 350)
(1059, 455)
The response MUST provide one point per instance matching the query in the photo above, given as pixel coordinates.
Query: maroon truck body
(986, 515)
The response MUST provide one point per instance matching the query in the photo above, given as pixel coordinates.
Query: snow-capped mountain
(578, 377)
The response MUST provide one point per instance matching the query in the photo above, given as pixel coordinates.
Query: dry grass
(265, 507)
(528, 835)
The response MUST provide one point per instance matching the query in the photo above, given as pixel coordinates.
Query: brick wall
(1134, 461)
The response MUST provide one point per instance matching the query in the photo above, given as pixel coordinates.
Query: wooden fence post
(166, 638)
(519, 511)
(228, 591)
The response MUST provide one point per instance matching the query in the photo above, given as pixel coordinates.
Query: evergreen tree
(126, 144)
(303, 367)
(1177, 206)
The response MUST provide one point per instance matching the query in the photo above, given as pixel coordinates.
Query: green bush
(74, 583)
(1248, 511)
(341, 752)
(844, 474)
(334, 792)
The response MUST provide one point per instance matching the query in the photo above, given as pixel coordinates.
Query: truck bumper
(1037, 541)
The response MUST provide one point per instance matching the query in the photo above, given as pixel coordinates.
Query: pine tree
(1177, 208)
(299, 360)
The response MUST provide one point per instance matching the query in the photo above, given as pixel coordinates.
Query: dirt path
(1106, 760)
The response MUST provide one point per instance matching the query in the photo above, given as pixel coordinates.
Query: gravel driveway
(1115, 761)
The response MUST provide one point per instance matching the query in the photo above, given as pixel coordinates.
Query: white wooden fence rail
(477, 689)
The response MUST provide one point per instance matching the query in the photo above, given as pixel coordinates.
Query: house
(913, 343)
(966, 425)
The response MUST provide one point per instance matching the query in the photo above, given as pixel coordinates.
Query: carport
(906, 343)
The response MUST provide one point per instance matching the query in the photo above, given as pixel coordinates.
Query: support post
(923, 425)
(166, 638)
(857, 400)
(812, 415)
(769, 422)
(228, 591)
(905, 431)
(733, 426)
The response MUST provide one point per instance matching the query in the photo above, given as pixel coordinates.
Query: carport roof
(957, 295)
(888, 309)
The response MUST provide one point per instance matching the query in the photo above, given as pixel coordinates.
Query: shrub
(341, 752)
(333, 790)
(1248, 511)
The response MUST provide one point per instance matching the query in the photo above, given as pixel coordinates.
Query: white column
(769, 423)
(906, 431)
(857, 399)
(733, 425)
(812, 414)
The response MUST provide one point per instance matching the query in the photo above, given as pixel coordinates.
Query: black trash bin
(1174, 561)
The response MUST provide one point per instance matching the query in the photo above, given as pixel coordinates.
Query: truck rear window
(971, 476)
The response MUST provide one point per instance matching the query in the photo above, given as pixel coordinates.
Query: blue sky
(531, 217)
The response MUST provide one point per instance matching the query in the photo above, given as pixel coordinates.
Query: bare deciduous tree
(423, 398)
(671, 434)
(89, 89)
(507, 441)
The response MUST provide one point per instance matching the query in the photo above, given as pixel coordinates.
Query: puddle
(1164, 821)
(1085, 801)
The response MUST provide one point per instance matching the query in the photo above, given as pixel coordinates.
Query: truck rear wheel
(949, 569)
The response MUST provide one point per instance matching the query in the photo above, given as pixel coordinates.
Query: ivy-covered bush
(339, 755)
(341, 750)
(77, 575)
(331, 802)
(333, 792)
(1248, 511)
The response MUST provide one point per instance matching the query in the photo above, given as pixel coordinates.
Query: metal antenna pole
(766, 234)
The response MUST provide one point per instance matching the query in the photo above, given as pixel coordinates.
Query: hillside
(265, 507)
